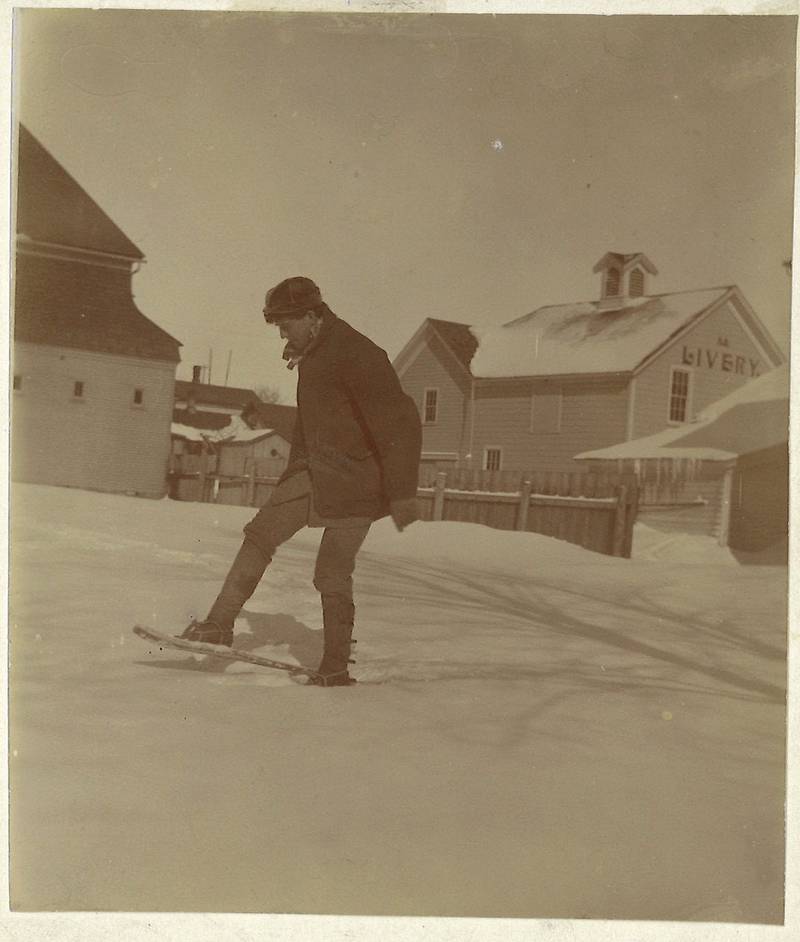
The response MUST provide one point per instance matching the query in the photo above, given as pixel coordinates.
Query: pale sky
(467, 167)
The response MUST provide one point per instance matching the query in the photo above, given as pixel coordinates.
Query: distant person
(354, 458)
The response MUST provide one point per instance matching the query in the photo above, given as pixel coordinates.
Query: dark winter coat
(357, 432)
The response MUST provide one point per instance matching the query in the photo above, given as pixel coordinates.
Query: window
(612, 282)
(679, 395)
(546, 407)
(17, 381)
(492, 459)
(77, 389)
(430, 412)
(138, 397)
(636, 283)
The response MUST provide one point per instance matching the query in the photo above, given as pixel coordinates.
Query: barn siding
(593, 414)
(760, 500)
(102, 442)
(433, 367)
(233, 455)
(709, 383)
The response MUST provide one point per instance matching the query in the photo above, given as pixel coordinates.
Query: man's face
(299, 331)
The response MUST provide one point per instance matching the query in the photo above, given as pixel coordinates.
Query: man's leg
(333, 578)
(270, 527)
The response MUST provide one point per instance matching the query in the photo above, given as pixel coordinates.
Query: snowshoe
(208, 632)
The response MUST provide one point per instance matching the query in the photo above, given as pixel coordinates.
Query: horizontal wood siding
(593, 414)
(232, 455)
(433, 368)
(102, 441)
(710, 382)
(760, 500)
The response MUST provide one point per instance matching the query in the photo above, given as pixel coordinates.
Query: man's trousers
(333, 574)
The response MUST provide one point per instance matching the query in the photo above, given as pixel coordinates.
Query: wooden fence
(224, 478)
(594, 510)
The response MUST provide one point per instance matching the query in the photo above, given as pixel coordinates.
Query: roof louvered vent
(623, 278)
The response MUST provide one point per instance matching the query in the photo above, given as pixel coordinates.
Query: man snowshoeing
(354, 458)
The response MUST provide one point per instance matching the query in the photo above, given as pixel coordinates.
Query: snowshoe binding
(208, 632)
(339, 679)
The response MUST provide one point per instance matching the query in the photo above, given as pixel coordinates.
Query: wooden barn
(725, 475)
(568, 378)
(93, 378)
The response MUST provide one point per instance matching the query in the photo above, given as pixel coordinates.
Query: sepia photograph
(399, 466)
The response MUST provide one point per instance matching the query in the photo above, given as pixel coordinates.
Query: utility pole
(228, 368)
(210, 361)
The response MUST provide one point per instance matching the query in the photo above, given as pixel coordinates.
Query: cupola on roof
(624, 275)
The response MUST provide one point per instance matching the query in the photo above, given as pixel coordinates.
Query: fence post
(250, 475)
(438, 495)
(630, 520)
(524, 505)
(203, 472)
(618, 540)
(725, 508)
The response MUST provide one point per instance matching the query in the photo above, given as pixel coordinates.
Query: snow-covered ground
(539, 731)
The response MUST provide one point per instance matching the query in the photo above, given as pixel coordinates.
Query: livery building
(567, 379)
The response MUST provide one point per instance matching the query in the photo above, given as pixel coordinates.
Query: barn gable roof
(58, 224)
(84, 318)
(457, 338)
(52, 207)
(588, 338)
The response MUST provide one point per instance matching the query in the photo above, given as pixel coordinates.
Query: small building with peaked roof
(534, 392)
(93, 377)
(725, 474)
(209, 407)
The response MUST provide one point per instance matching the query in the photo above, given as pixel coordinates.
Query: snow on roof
(772, 386)
(250, 434)
(587, 337)
(753, 417)
(236, 431)
(186, 431)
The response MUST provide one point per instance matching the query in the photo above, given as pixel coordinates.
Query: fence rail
(594, 510)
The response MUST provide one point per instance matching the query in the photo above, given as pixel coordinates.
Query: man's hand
(404, 512)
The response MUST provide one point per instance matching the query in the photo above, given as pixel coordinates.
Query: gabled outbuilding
(93, 377)
(726, 474)
(208, 406)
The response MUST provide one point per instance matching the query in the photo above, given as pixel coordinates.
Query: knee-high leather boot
(338, 613)
(240, 583)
